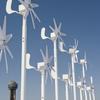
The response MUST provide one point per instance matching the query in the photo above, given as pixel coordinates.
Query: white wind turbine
(90, 90)
(4, 40)
(74, 59)
(67, 78)
(83, 62)
(25, 8)
(80, 86)
(44, 68)
(54, 36)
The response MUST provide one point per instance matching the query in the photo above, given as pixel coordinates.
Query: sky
(80, 20)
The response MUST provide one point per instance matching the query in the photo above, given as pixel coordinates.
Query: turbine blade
(24, 3)
(76, 58)
(49, 72)
(6, 61)
(46, 77)
(8, 50)
(51, 28)
(76, 44)
(60, 26)
(62, 34)
(4, 26)
(55, 23)
(52, 72)
(50, 59)
(43, 56)
(86, 66)
(35, 15)
(26, 14)
(34, 5)
(91, 79)
(1, 55)
(27, 1)
(85, 56)
(47, 56)
(8, 38)
(33, 23)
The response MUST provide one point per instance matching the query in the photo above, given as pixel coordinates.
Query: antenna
(45, 68)
(25, 8)
(4, 40)
(54, 36)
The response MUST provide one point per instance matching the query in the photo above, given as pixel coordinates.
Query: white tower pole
(66, 86)
(43, 85)
(93, 94)
(90, 98)
(73, 75)
(92, 88)
(56, 69)
(81, 97)
(85, 91)
(23, 60)
(83, 71)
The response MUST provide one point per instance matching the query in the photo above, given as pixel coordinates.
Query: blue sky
(80, 20)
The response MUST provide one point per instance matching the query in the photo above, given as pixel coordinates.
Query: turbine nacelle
(88, 88)
(22, 9)
(43, 35)
(53, 36)
(79, 84)
(65, 77)
(73, 51)
(83, 61)
(41, 66)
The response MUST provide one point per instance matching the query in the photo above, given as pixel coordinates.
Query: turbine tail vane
(9, 7)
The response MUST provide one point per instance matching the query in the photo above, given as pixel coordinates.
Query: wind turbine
(25, 8)
(80, 86)
(44, 68)
(54, 36)
(83, 62)
(90, 90)
(74, 59)
(4, 40)
(65, 78)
